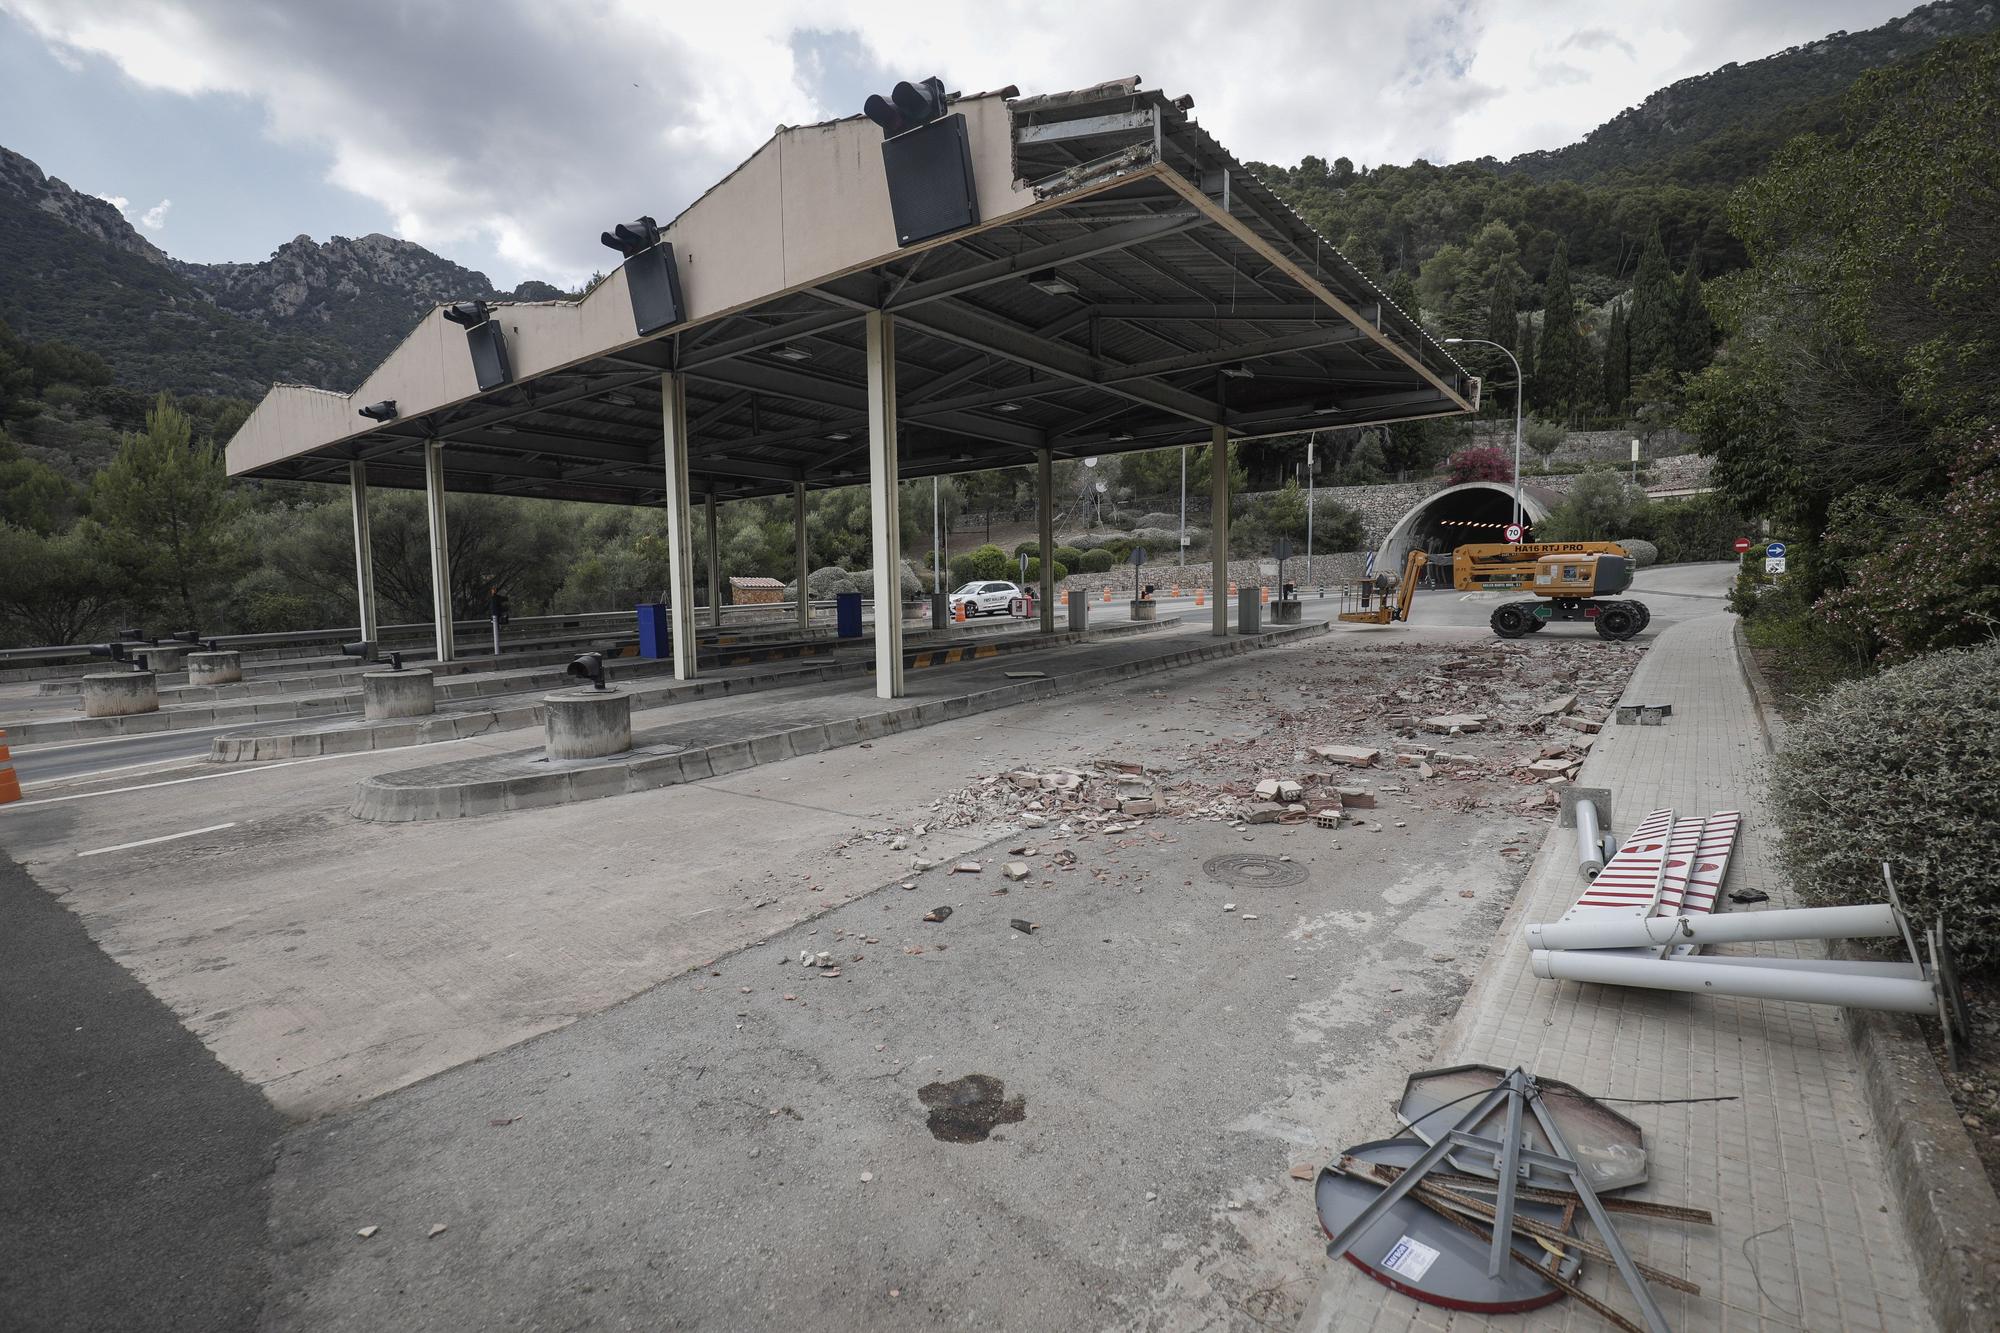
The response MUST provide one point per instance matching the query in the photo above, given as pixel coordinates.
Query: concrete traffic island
(386, 694)
(163, 656)
(587, 724)
(120, 694)
(665, 756)
(217, 668)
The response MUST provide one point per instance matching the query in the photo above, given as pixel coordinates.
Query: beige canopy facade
(1125, 285)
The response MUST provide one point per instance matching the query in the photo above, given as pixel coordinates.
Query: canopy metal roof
(1184, 295)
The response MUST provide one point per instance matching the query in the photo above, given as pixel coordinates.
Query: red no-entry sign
(1742, 545)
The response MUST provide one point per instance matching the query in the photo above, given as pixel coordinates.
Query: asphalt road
(136, 1169)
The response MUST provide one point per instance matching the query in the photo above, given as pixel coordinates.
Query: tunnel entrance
(1440, 523)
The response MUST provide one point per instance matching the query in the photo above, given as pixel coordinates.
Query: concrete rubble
(1462, 727)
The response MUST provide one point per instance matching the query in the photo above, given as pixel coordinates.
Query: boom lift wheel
(1645, 614)
(1512, 621)
(1617, 621)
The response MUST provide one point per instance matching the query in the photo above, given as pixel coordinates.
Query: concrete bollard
(1288, 611)
(163, 656)
(120, 694)
(397, 694)
(587, 724)
(218, 668)
(1145, 608)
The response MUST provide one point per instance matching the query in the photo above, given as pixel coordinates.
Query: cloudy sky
(505, 134)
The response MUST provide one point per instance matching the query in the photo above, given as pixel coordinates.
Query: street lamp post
(1519, 386)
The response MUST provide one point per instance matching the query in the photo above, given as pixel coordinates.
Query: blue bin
(655, 638)
(847, 614)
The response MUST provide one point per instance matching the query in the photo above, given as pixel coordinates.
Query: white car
(984, 598)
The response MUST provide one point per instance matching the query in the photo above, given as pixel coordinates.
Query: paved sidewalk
(1805, 1237)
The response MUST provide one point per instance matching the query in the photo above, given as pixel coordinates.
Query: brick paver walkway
(1806, 1237)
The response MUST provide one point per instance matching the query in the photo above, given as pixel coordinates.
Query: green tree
(1655, 310)
(1600, 507)
(1559, 359)
(57, 588)
(165, 506)
(1617, 390)
(1694, 327)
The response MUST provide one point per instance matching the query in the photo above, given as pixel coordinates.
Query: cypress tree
(1503, 324)
(1559, 358)
(1617, 362)
(1650, 334)
(1694, 329)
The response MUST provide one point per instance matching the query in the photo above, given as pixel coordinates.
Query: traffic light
(382, 411)
(497, 607)
(927, 158)
(483, 338)
(590, 667)
(652, 278)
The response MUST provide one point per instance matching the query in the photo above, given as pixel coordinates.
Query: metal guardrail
(421, 631)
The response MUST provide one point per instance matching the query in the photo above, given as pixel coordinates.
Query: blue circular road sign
(1775, 550)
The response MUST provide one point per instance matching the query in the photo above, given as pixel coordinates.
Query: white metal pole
(364, 549)
(1218, 530)
(1045, 534)
(440, 547)
(680, 538)
(1519, 388)
(1310, 441)
(1751, 983)
(937, 542)
(1180, 552)
(883, 492)
(801, 554)
(1634, 930)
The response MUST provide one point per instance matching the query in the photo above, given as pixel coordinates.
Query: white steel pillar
(1045, 534)
(714, 568)
(802, 551)
(884, 495)
(440, 547)
(680, 549)
(1218, 527)
(364, 549)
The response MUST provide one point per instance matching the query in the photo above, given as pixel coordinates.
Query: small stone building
(750, 592)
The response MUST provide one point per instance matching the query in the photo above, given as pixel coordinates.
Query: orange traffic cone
(958, 612)
(1107, 592)
(1232, 587)
(1264, 594)
(1065, 597)
(1197, 594)
(1177, 590)
(10, 785)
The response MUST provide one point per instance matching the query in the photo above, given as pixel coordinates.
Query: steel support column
(802, 552)
(440, 546)
(680, 549)
(886, 512)
(364, 549)
(714, 568)
(1218, 529)
(1045, 534)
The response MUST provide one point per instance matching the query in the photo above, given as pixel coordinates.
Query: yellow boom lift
(1569, 581)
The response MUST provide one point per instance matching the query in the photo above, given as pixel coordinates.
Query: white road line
(175, 782)
(148, 842)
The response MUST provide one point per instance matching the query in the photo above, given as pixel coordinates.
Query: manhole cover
(1249, 871)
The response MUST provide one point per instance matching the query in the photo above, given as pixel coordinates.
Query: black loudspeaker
(654, 281)
(930, 180)
(489, 354)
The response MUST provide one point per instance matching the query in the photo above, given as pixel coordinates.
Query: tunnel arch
(1472, 511)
